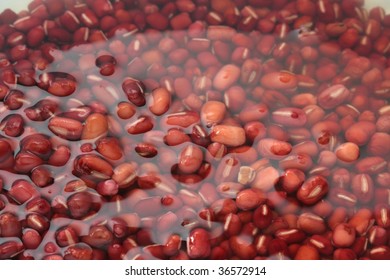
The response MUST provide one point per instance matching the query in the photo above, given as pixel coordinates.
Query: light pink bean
(294, 117)
(226, 77)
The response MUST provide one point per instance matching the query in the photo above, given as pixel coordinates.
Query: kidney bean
(198, 244)
(226, 77)
(190, 159)
(344, 254)
(262, 216)
(333, 96)
(363, 187)
(213, 112)
(360, 132)
(383, 124)
(228, 135)
(10, 225)
(348, 152)
(96, 125)
(377, 236)
(289, 117)
(135, 91)
(60, 156)
(371, 165)
(12, 125)
(377, 144)
(322, 244)
(242, 247)
(265, 179)
(98, 236)
(273, 149)
(277, 249)
(141, 125)
(296, 161)
(79, 251)
(66, 128)
(183, 119)
(291, 180)
(311, 223)
(312, 190)
(79, 204)
(279, 80)
(66, 236)
(307, 252)
(343, 235)
(161, 100)
(254, 112)
(10, 249)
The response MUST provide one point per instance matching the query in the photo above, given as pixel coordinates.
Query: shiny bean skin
(66, 128)
(293, 117)
(213, 112)
(198, 244)
(232, 136)
(312, 190)
(333, 96)
(190, 159)
(195, 129)
(273, 149)
(279, 80)
(161, 100)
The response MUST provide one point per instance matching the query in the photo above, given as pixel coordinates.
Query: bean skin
(232, 136)
(348, 152)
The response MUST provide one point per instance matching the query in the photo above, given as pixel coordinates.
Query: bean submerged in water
(194, 130)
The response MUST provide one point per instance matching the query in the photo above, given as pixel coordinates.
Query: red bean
(343, 235)
(226, 77)
(242, 247)
(380, 253)
(377, 144)
(198, 244)
(22, 191)
(262, 216)
(312, 190)
(273, 149)
(9, 249)
(213, 112)
(254, 113)
(161, 101)
(66, 128)
(79, 204)
(279, 80)
(307, 252)
(311, 223)
(228, 135)
(348, 152)
(10, 225)
(135, 91)
(190, 159)
(289, 117)
(66, 236)
(363, 187)
(95, 126)
(360, 133)
(333, 96)
(322, 244)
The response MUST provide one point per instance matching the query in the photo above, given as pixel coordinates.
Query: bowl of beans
(195, 129)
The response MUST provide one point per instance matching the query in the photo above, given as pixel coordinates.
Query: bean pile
(195, 129)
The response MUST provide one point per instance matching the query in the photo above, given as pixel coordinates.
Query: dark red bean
(198, 244)
(135, 91)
